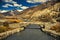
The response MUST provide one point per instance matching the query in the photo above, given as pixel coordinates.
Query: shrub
(3, 29)
(56, 27)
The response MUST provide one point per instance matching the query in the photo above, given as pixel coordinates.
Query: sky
(19, 4)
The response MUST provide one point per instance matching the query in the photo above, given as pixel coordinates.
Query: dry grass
(56, 27)
(3, 29)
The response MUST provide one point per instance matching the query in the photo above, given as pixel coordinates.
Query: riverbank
(8, 33)
(49, 31)
(30, 34)
(53, 33)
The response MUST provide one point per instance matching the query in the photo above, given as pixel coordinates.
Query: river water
(30, 33)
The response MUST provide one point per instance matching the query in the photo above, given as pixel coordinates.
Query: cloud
(11, 5)
(13, 2)
(2, 11)
(36, 1)
(19, 10)
(17, 4)
(30, 1)
(7, 5)
(24, 7)
(6, 0)
(10, 1)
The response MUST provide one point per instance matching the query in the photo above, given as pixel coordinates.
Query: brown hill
(35, 13)
(45, 9)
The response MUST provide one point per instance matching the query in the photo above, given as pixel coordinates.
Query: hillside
(48, 13)
(33, 14)
(49, 8)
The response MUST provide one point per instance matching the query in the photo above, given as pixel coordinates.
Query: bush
(56, 27)
(45, 18)
(6, 24)
(3, 29)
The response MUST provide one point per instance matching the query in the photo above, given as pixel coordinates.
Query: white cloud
(6, 5)
(30, 1)
(13, 2)
(17, 4)
(6, 0)
(2, 11)
(11, 5)
(19, 10)
(36, 1)
(24, 7)
(10, 1)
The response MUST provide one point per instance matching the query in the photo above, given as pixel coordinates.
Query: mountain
(35, 12)
(47, 13)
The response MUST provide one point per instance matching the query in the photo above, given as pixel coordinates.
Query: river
(32, 32)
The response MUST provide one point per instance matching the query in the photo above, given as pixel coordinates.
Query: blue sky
(20, 5)
(15, 4)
